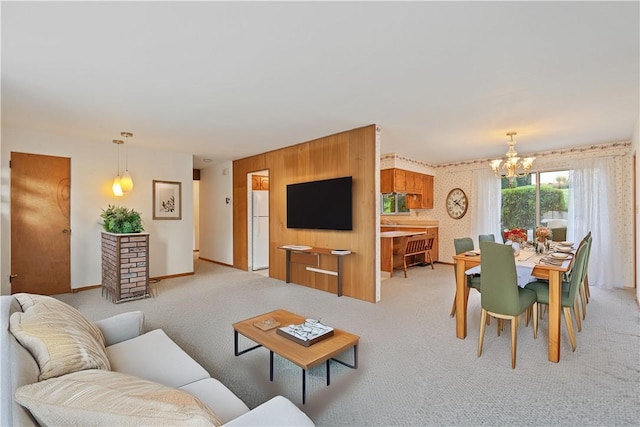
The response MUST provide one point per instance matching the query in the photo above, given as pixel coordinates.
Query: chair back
(486, 238)
(463, 244)
(499, 279)
(559, 234)
(416, 244)
(586, 241)
(578, 270)
(589, 239)
(400, 245)
(430, 241)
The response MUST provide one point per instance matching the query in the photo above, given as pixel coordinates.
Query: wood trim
(85, 288)
(349, 153)
(215, 262)
(171, 276)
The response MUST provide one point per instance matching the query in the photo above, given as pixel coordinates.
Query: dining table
(539, 269)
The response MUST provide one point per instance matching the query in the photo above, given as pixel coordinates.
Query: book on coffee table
(266, 324)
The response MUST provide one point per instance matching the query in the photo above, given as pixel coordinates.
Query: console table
(309, 256)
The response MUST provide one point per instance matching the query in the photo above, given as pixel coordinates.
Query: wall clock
(457, 203)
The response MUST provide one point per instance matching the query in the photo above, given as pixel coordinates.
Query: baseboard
(171, 276)
(215, 262)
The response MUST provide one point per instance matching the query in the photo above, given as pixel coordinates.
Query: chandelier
(512, 167)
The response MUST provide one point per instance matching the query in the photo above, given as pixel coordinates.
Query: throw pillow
(108, 398)
(58, 336)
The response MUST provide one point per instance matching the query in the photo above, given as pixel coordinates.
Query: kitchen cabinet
(386, 181)
(413, 182)
(259, 182)
(417, 186)
(427, 191)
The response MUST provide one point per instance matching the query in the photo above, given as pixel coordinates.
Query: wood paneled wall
(349, 153)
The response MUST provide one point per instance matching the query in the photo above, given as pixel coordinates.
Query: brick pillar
(125, 266)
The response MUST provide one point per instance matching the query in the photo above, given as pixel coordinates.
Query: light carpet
(412, 370)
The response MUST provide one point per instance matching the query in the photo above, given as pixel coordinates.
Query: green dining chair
(569, 292)
(486, 238)
(501, 297)
(559, 234)
(461, 245)
(584, 286)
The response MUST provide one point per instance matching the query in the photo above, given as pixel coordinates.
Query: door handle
(11, 277)
(66, 230)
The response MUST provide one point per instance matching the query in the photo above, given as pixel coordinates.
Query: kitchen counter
(400, 222)
(390, 238)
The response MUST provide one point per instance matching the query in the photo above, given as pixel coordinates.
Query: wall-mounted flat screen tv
(320, 205)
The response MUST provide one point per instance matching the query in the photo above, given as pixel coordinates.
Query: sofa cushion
(98, 397)
(218, 397)
(276, 412)
(155, 357)
(121, 327)
(58, 336)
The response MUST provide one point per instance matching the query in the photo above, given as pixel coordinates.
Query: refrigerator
(260, 229)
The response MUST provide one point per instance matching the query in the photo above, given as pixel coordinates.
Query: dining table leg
(461, 300)
(555, 309)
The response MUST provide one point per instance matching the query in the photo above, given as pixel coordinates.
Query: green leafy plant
(519, 205)
(120, 220)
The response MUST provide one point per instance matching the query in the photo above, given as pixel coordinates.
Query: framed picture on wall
(167, 200)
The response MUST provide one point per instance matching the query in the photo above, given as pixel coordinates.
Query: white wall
(216, 215)
(196, 215)
(93, 167)
(635, 146)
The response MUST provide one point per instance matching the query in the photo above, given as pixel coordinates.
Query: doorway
(258, 221)
(40, 224)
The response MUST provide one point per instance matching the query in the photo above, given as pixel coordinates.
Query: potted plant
(120, 220)
(125, 254)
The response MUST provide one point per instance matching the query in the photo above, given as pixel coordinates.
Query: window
(537, 199)
(393, 203)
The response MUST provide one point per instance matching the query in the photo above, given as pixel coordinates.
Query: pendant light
(116, 187)
(126, 182)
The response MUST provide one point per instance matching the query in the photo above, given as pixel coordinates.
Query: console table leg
(287, 266)
(339, 275)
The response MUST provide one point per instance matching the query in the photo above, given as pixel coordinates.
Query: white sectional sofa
(132, 355)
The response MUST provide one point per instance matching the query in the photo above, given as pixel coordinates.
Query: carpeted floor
(412, 370)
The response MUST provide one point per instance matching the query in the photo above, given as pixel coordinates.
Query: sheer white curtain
(486, 196)
(591, 208)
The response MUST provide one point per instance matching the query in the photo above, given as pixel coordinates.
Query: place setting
(555, 258)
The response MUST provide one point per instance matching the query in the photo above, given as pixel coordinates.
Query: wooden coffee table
(304, 357)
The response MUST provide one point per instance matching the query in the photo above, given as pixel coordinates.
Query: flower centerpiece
(517, 235)
(542, 234)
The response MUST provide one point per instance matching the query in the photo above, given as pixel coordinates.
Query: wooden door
(40, 224)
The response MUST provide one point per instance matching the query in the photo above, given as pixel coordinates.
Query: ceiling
(444, 81)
